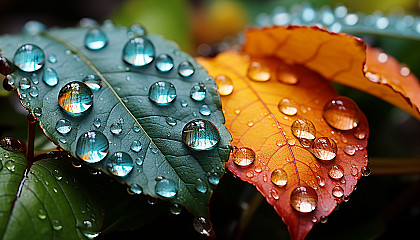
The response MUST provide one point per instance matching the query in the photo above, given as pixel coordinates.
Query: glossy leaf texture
(46, 200)
(271, 93)
(131, 111)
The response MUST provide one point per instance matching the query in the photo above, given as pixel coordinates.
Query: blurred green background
(386, 205)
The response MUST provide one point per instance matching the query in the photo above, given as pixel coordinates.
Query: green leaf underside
(127, 100)
(49, 191)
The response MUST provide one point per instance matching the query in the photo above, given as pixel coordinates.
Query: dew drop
(171, 121)
(405, 71)
(93, 81)
(365, 171)
(175, 209)
(56, 224)
(138, 52)
(25, 83)
(63, 126)
(354, 171)
(200, 134)
(162, 93)
(201, 186)
(224, 84)
(41, 214)
(164, 63)
(359, 133)
(136, 146)
(136, 30)
(50, 77)
(75, 98)
(97, 123)
(243, 156)
(29, 58)
(279, 177)
(304, 199)
(324, 148)
(198, 92)
(203, 226)
(6, 66)
(250, 123)
(213, 178)
(184, 103)
(116, 128)
(87, 230)
(337, 192)
(58, 175)
(287, 74)
(205, 110)
(288, 107)
(37, 112)
(136, 189)
(33, 28)
(92, 146)
(136, 127)
(166, 188)
(52, 58)
(95, 39)
(336, 172)
(303, 129)
(185, 69)
(341, 113)
(120, 164)
(258, 72)
(350, 150)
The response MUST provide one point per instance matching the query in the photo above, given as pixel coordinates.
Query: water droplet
(6, 66)
(95, 39)
(288, 107)
(365, 171)
(359, 133)
(224, 84)
(304, 130)
(164, 63)
(304, 199)
(50, 77)
(162, 93)
(56, 224)
(135, 188)
(323, 219)
(337, 192)
(287, 74)
(237, 111)
(120, 164)
(185, 69)
(97, 122)
(341, 113)
(138, 52)
(405, 71)
(29, 58)
(279, 177)
(25, 83)
(75, 98)
(166, 188)
(93, 81)
(136, 30)
(258, 72)
(200, 134)
(116, 128)
(42, 214)
(324, 148)
(336, 172)
(87, 230)
(37, 112)
(243, 156)
(321, 181)
(201, 185)
(184, 103)
(250, 123)
(63, 126)
(92, 146)
(205, 110)
(213, 178)
(171, 121)
(52, 58)
(198, 92)
(203, 226)
(175, 209)
(11, 144)
(136, 146)
(350, 150)
(274, 194)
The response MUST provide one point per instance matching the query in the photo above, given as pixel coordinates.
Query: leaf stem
(31, 138)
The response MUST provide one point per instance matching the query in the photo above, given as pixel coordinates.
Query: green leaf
(123, 99)
(45, 200)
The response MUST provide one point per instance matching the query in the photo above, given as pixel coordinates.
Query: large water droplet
(50, 77)
(87, 229)
(336, 172)
(92, 146)
(162, 93)
(258, 72)
(198, 92)
(29, 58)
(120, 164)
(6, 67)
(63, 126)
(164, 63)
(337, 192)
(203, 226)
(324, 148)
(304, 199)
(224, 84)
(138, 52)
(279, 177)
(200, 134)
(166, 188)
(304, 130)
(10, 165)
(243, 156)
(75, 98)
(288, 107)
(93, 81)
(341, 113)
(185, 69)
(95, 39)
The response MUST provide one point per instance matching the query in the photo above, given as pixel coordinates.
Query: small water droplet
(29, 58)
(120, 164)
(171, 121)
(75, 98)
(287, 74)
(93, 81)
(350, 150)
(175, 209)
(185, 69)
(42, 214)
(337, 192)
(205, 110)
(87, 229)
(164, 63)
(354, 171)
(56, 224)
(237, 111)
(162, 93)
(50, 77)
(258, 72)
(288, 107)
(92, 146)
(138, 52)
(365, 171)
(198, 92)
(279, 177)
(166, 188)
(139, 161)
(52, 58)
(341, 113)
(136, 146)
(324, 148)
(97, 122)
(200, 185)
(37, 112)
(184, 103)
(224, 84)
(359, 133)
(304, 130)
(243, 156)
(321, 181)
(200, 134)
(63, 126)
(116, 128)
(304, 199)
(95, 39)
(203, 226)
(135, 188)
(250, 123)
(336, 172)
(213, 178)
(25, 83)
(405, 71)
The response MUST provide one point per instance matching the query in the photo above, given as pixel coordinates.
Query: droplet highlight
(288, 107)
(120, 164)
(185, 69)
(138, 52)
(166, 188)
(279, 177)
(304, 130)
(92, 146)
(243, 156)
(224, 84)
(258, 72)
(162, 93)
(95, 39)
(29, 58)
(200, 134)
(50, 77)
(304, 199)
(63, 126)
(341, 113)
(198, 92)
(324, 148)
(336, 172)
(164, 63)
(337, 192)
(75, 98)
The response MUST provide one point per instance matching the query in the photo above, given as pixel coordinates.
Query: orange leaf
(259, 126)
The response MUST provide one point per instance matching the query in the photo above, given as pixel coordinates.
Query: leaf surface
(123, 100)
(255, 121)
